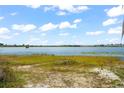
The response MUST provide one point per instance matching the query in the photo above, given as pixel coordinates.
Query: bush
(9, 78)
(7, 74)
(66, 62)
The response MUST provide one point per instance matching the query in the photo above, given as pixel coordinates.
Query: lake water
(84, 51)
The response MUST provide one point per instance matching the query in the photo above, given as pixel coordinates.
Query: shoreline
(56, 46)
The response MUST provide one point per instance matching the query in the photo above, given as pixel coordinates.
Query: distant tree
(102, 45)
(1, 44)
(27, 46)
(15, 45)
(23, 45)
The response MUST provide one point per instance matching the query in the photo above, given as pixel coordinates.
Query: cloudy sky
(54, 25)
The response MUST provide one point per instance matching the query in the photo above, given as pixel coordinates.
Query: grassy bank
(61, 71)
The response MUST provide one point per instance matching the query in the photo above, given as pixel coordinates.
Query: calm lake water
(84, 51)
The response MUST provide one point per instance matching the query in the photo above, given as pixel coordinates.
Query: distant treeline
(27, 46)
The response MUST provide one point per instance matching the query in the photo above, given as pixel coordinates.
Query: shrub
(66, 62)
(9, 78)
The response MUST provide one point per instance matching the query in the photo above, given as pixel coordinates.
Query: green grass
(10, 78)
(120, 72)
(15, 77)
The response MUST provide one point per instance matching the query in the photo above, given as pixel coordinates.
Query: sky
(60, 24)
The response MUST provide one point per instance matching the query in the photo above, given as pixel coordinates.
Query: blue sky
(54, 25)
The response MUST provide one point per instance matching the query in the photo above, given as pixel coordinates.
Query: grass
(10, 78)
(66, 62)
(36, 68)
(120, 72)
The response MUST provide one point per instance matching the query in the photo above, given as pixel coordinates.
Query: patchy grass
(47, 70)
(120, 72)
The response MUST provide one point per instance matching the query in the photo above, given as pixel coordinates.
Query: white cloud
(48, 8)
(48, 26)
(61, 25)
(96, 33)
(66, 24)
(110, 22)
(4, 30)
(13, 14)
(78, 42)
(23, 28)
(36, 41)
(105, 10)
(16, 34)
(64, 34)
(35, 6)
(4, 33)
(59, 42)
(116, 30)
(114, 41)
(65, 9)
(115, 11)
(77, 21)
(61, 13)
(33, 40)
(102, 41)
(1, 17)
(72, 9)
(44, 42)
(43, 34)
(5, 36)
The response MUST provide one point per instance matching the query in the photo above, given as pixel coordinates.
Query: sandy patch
(106, 74)
(64, 80)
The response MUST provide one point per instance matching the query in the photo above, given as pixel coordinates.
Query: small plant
(9, 78)
(8, 74)
(66, 62)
